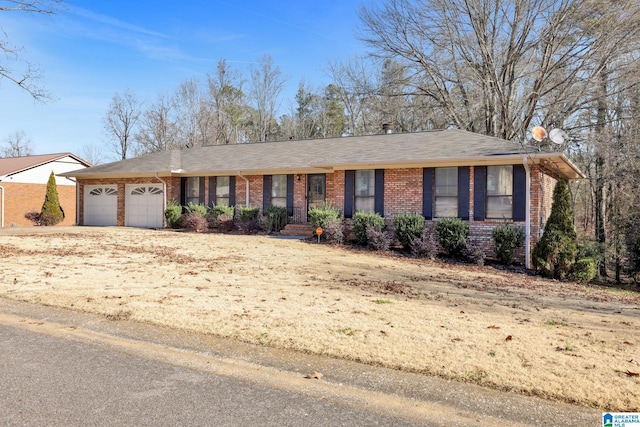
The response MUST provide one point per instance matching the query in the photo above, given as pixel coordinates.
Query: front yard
(561, 341)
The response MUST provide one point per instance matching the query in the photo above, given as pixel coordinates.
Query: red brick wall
(402, 191)
(20, 199)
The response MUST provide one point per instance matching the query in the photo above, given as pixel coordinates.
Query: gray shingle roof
(322, 155)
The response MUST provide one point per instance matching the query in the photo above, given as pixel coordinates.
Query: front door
(316, 194)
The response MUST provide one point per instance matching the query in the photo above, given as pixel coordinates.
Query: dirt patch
(561, 341)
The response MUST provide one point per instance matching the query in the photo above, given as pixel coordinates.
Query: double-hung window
(279, 190)
(192, 190)
(446, 189)
(222, 191)
(500, 192)
(364, 193)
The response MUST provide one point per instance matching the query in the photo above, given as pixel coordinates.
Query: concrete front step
(297, 230)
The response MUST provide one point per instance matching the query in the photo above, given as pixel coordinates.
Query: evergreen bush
(585, 270)
(217, 210)
(199, 208)
(507, 239)
(555, 253)
(452, 235)
(323, 215)
(362, 221)
(51, 212)
(408, 227)
(275, 218)
(172, 214)
(246, 213)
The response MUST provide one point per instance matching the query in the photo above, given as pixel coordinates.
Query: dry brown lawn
(561, 341)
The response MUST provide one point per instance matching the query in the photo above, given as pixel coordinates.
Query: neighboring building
(23, 186)
(485, 180)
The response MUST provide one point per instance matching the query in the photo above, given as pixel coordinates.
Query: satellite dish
(538, 133)
(557, 136)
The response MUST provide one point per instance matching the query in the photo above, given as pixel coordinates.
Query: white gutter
(247, 181)
(164, 199)
(527, 232)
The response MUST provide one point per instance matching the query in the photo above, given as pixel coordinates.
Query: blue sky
(91, 49)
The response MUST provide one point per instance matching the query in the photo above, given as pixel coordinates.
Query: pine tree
(555, 253)
(51, 213)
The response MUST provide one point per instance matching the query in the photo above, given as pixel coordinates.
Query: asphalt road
(59, 367)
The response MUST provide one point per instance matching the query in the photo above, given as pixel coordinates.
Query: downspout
(527, 221)
(77, 199)
(247, 181)
(164, 199)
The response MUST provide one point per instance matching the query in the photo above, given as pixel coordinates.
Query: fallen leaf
(627, 343)
(493, 327)
(632, 374)
(316, 375)
(508, 338)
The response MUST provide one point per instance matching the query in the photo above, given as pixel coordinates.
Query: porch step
(297, 230)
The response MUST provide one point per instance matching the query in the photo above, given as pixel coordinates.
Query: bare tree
(92, 154)
(17, 145)
(228, 108)
(267, 83)
(158, 130)
(493, 66)
(120, 122)
(15, 69)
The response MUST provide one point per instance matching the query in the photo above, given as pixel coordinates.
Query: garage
(144, 206)
(100, 205)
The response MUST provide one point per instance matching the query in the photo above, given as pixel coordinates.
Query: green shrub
(246, 213)
(362, 221)
(408, 227)
(275, 218)
(198, 208)
(323, 215)
(555, 253)
(51, 212)
(452, 235)
(506, 240)
(585, 270)
(218, 210)
(172, 214)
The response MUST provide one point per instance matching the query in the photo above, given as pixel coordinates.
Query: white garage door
(144, 206)
(100, 204)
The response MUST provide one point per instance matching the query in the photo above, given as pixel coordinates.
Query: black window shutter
(519, 193)
(183, 191)
(266, 192)
(201, 190)
(349, 182)
(427, 192)
(290, 195)
(212, 191)
(463, 192)
(378, 204)
(232, 191)
(479, 190)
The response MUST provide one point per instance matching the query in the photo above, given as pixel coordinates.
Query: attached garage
(100, 205)
(144, 205)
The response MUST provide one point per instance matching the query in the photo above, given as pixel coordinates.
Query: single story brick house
(484, 180)
(23, 186)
